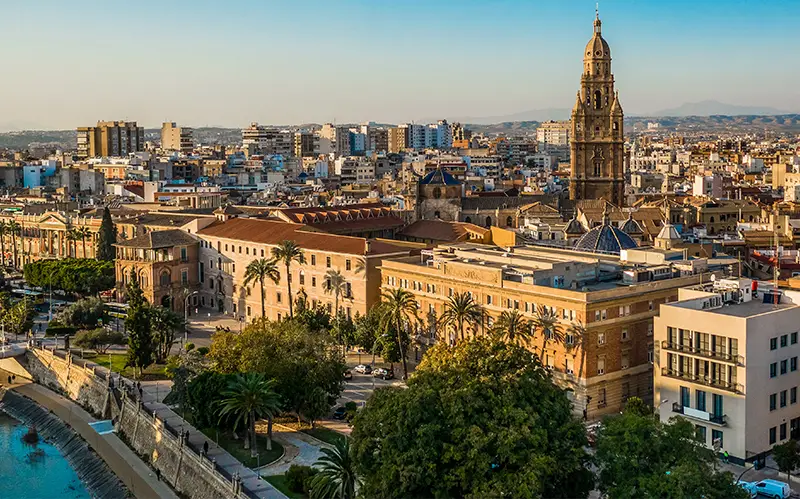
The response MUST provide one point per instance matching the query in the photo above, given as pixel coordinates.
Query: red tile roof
(272, 232)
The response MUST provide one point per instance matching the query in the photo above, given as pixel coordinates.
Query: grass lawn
(155, 372)
(325, 434)
(279, 482)
(237, 450)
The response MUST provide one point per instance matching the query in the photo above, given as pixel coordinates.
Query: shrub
(85, 313)
(99, 339)
(202, 350)
(189, 347)
(55, 328)
(297, 476)
(350, 410)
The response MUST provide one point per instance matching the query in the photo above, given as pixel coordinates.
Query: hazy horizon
(205, 63)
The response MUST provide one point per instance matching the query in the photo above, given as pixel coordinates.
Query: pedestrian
(141, 394)
(158, 474)
(205, 448)
(725, 456)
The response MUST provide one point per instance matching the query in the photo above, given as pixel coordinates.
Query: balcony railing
(721, 420)
(702, 380)
(702, 352)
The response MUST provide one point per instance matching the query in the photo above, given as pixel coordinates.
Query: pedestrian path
(300, 449)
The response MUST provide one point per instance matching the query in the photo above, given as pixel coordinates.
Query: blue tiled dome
(605, 238)
(439, 176)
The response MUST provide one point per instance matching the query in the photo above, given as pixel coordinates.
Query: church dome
(439, 176)
(605, 238)
(631, 226)
(597, 48)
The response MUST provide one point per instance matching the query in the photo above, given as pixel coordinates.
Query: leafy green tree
(250, 396)
(316, 318)
(99, 340)
(203, 399)
(83, 276)
(787, 457)
(137, 323)
(287, 252)
(260, 270)
(638, 456)
(107, 237)
(337, 477)
(18, 319)
(164, 323)
(84, 313)
(512, 326)
(399, 310)
(461, 310)
(367, 329)
(465, 427)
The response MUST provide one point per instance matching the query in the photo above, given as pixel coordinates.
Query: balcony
(721, 420)
(702, 352)
(702, 380)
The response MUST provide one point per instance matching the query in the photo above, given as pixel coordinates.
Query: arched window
(711, 220)
(509, 222)
(437, 214)
(437, 193)
(488, 221)
(165, 278)
(598, 99)
(751, 218)
(143, 279)
(615, 127)
(469, 220)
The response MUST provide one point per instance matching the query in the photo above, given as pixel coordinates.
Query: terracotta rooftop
(438, 230)
(273, 232)
(158, 239)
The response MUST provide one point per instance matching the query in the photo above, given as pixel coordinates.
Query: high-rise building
(306, 144)
(175, 138)
(554, 133)
(335, 139)
(397, 139)
(258, 139)
(597, 147)
(110, 138)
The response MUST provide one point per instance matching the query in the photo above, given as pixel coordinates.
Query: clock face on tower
(597, 139)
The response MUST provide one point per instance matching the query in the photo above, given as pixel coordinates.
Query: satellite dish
(713, 278)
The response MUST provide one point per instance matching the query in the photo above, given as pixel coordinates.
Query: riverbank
(125, 464)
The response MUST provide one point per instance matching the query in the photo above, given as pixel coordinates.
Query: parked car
(768, 488)
(363, 369)
(348, 374)
(383, 373)
(340, 412)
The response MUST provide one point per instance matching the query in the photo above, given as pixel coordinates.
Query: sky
(230, 62)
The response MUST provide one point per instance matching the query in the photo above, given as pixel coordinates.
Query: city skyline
(201, 64)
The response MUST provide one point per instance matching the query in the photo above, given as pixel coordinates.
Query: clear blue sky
(214, 62)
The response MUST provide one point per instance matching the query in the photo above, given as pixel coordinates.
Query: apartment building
(110, 138)
(397, 139)
(727, 360)
(263, 140)
(230, 244)
(334, 139)
(614, 302)
(553, 133)
(306, 144)
(175, 138)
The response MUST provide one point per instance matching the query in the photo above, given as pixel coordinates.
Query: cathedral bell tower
(597, 145)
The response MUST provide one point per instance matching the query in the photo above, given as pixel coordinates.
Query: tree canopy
(82, 276)
(84, 313)
(640, 457)
(481, 419)
(106, 238)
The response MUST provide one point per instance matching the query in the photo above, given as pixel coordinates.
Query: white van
(769, 488)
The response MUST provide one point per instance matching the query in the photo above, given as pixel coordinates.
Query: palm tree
(513, 326)
(72, 237)
(250, 396)
(399, 309)
(3, 231)
(82, 234)
(336, 285)
(337, 473)
(577, 338)
(287, 252)
(258, 270)
(461, 309)
(15, 229)
(546, 321)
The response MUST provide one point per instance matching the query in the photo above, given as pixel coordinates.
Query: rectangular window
(773, 369)
(700, 432)
(793, 395)
(716, 436)
(784, 340)
(650, 305)
(249, 312)
(624, 335)
(313, 259)
(302, 279)
(183, 255)
(601, 338)
(601, 365)
(328, 261)
(685, 397)
(784, 365)
(716, 401)
(773, 343)
(184, 276)
(278, 297)
(569, 366)
(262, 252)
(783, 398)
(347, 265)
(794, 339)
(488, 301)
(773, 401)
(601, 399)
(793, 364)
(773, 435)
(624, 361)
(597, 315)
(783, 431)
(700, 398)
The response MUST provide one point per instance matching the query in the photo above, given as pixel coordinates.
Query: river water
(34, 472)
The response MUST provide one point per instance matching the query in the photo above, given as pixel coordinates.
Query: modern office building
(175, 138)
(727, 360)
(110, 138)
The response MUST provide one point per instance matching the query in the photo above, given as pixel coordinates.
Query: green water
(34, 472)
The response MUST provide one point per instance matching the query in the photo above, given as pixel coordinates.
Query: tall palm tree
(14, 228)
(259, 270)
(250, 396)
(3, 232)
(399, 309)
(72, 243)
(461, 309)
(337, 473)
(577, 337)
(513, 326)
(546, 321)
(82, 234)
(335, 284)
(287, 252)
